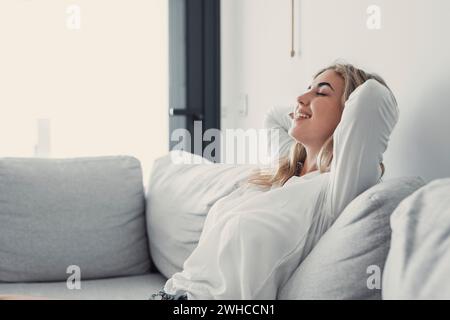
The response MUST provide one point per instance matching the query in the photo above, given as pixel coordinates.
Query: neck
(310, 164)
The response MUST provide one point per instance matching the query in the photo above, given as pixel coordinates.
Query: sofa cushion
(353, 250)
(55, 213)
(124, 288)
(418, 263)
(178, 200)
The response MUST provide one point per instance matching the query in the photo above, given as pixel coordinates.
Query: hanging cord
(293, 29)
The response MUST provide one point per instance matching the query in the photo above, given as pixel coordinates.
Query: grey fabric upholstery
(87, 212)
(418, 264)
(125, 288)
(341, 264)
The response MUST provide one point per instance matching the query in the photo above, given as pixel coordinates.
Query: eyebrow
(323, 84)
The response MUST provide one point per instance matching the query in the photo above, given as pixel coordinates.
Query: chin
(297, 135)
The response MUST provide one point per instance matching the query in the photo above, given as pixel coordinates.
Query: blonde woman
(255, 238)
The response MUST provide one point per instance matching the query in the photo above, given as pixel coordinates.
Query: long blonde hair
(289, 166)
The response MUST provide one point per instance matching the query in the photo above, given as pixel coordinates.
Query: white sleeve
(360, 140)
(278, 122)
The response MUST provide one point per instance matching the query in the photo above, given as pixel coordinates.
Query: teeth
(304, 116)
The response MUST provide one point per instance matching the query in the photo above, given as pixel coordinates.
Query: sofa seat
(126, 288)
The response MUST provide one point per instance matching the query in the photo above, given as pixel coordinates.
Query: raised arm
(277, 120)
(360, 140)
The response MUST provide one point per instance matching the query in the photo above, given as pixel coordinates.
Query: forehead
(333, 78)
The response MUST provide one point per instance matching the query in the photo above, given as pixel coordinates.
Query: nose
(303, 100)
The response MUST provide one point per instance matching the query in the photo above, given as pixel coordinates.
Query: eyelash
(321, 94)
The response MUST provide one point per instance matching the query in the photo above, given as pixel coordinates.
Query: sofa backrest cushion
(57, 213)
(179, 198)
(348, 261)
(418, 264)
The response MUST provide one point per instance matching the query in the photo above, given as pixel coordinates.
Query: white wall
(410, 51)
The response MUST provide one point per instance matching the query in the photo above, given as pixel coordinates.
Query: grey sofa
(93, 213)
(88, 213)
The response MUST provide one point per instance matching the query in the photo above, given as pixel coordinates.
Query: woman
(255, 238)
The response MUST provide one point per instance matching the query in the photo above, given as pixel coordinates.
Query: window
(99, 88)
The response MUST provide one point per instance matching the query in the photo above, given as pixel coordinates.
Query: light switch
(243, 105)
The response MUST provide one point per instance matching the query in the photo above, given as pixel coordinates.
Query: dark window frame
(202, 66)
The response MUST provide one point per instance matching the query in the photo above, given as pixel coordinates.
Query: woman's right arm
(361, 138)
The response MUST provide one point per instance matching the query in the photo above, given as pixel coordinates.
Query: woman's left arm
(361, 138)
(278, 122)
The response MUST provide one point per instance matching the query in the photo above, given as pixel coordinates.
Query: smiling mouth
(302, 116)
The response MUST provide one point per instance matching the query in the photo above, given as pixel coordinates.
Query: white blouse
(255, 238)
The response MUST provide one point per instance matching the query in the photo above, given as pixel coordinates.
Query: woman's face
(323, 103)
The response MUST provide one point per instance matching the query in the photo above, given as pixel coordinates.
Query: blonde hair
(289, 166)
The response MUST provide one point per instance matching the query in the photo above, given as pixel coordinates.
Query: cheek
(326, 123)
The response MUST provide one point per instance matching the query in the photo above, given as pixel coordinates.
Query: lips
(302, 115)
